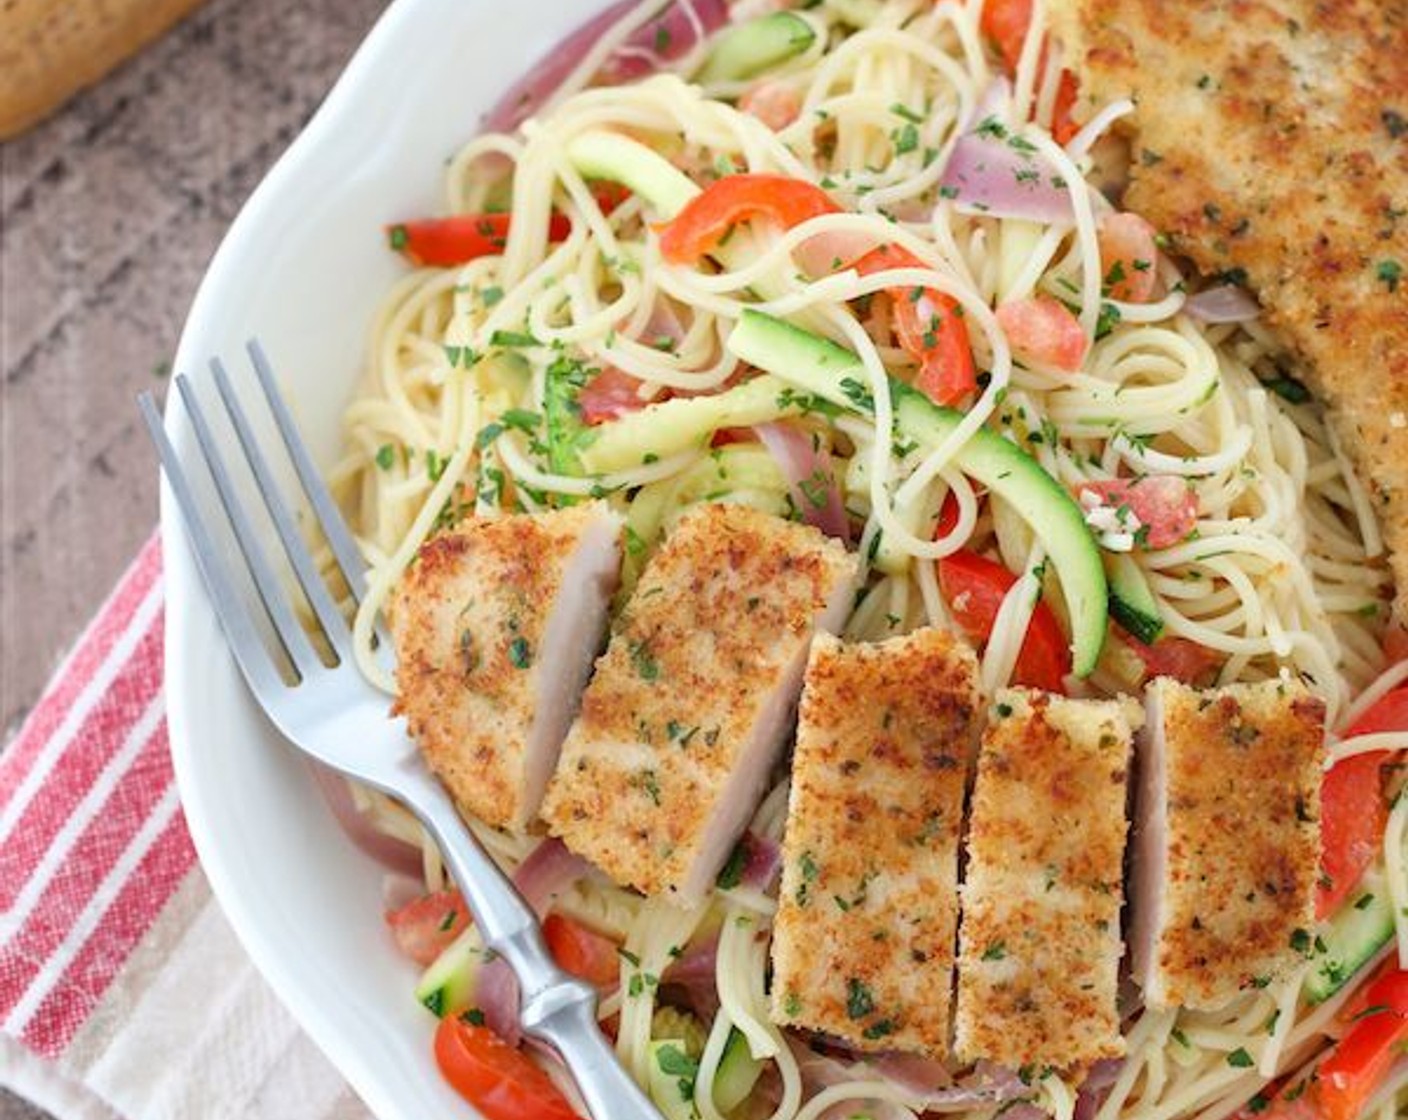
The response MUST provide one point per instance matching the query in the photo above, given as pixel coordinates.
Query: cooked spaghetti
(1280, 570)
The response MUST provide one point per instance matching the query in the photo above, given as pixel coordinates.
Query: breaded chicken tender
(1040, 946)
(864, 939)
(1227, 849)
(690, 705)
(1270, 143)
(496, 625)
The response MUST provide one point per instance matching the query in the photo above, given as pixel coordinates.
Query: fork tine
(245, 641)
(334, 625)
(344, 548)
(276, 601)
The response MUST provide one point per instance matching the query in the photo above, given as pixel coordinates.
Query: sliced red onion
(994, 172)
(820, 1072)
(549, 870)
(918, 1075)
(762, 860)
(525, 96)
(496, 995)
(986, 175)
(810, 477)
(663, 328)
(1096, 1087)
(393, 854)
(695, 973)
(668, 36)
(698, 964)
(1225, 303)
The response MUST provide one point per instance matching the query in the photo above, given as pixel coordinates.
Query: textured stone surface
(110, 212)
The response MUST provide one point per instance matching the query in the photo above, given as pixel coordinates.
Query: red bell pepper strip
(1006, 23)
(445, 242)
(929, 328)
(1353, 809)
(708, 216)
(974, 587)
(1357, 1065)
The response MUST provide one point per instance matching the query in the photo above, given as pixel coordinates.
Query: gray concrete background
(109, 213)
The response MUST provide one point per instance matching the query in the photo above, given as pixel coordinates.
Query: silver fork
(337, 717)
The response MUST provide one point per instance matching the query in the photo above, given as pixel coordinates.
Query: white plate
(302, 268)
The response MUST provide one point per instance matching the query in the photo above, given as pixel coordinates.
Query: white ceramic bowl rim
(303, 268)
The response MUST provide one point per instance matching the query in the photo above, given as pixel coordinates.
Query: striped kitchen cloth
(123, 993)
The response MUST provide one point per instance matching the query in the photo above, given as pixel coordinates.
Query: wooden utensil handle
(49, 51)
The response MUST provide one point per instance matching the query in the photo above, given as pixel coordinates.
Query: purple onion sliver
(541, 81)
(496, 995)
(1096, 1087)
(696, 974)
(762, 860)
(1225, 303)
(986, 175)
(806, 468)
(549, 870)
(915, 1074)
(393, 854)
(662, 39)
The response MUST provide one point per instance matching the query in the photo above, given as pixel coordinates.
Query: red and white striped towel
(123, 993)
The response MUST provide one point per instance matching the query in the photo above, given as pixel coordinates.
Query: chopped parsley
(674, 1062)
(520, 652)
(731, 874)
(385, 456)
(646, 667)
(1240, 1059)
(859, 1000)
(1288, 389)
(858, 394)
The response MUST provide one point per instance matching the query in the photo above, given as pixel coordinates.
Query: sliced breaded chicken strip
(1271, 141)
(863, 942)
(1227, 844)
(496, 625)
(1040, 944)
(688, 709)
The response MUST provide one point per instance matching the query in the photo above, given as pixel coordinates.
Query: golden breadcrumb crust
(1243, 773)
(1040, 944)
(1270, 139)
(467, 619)
(863, 942)
(724, 610)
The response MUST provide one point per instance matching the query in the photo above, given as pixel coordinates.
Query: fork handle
(557, 1008)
